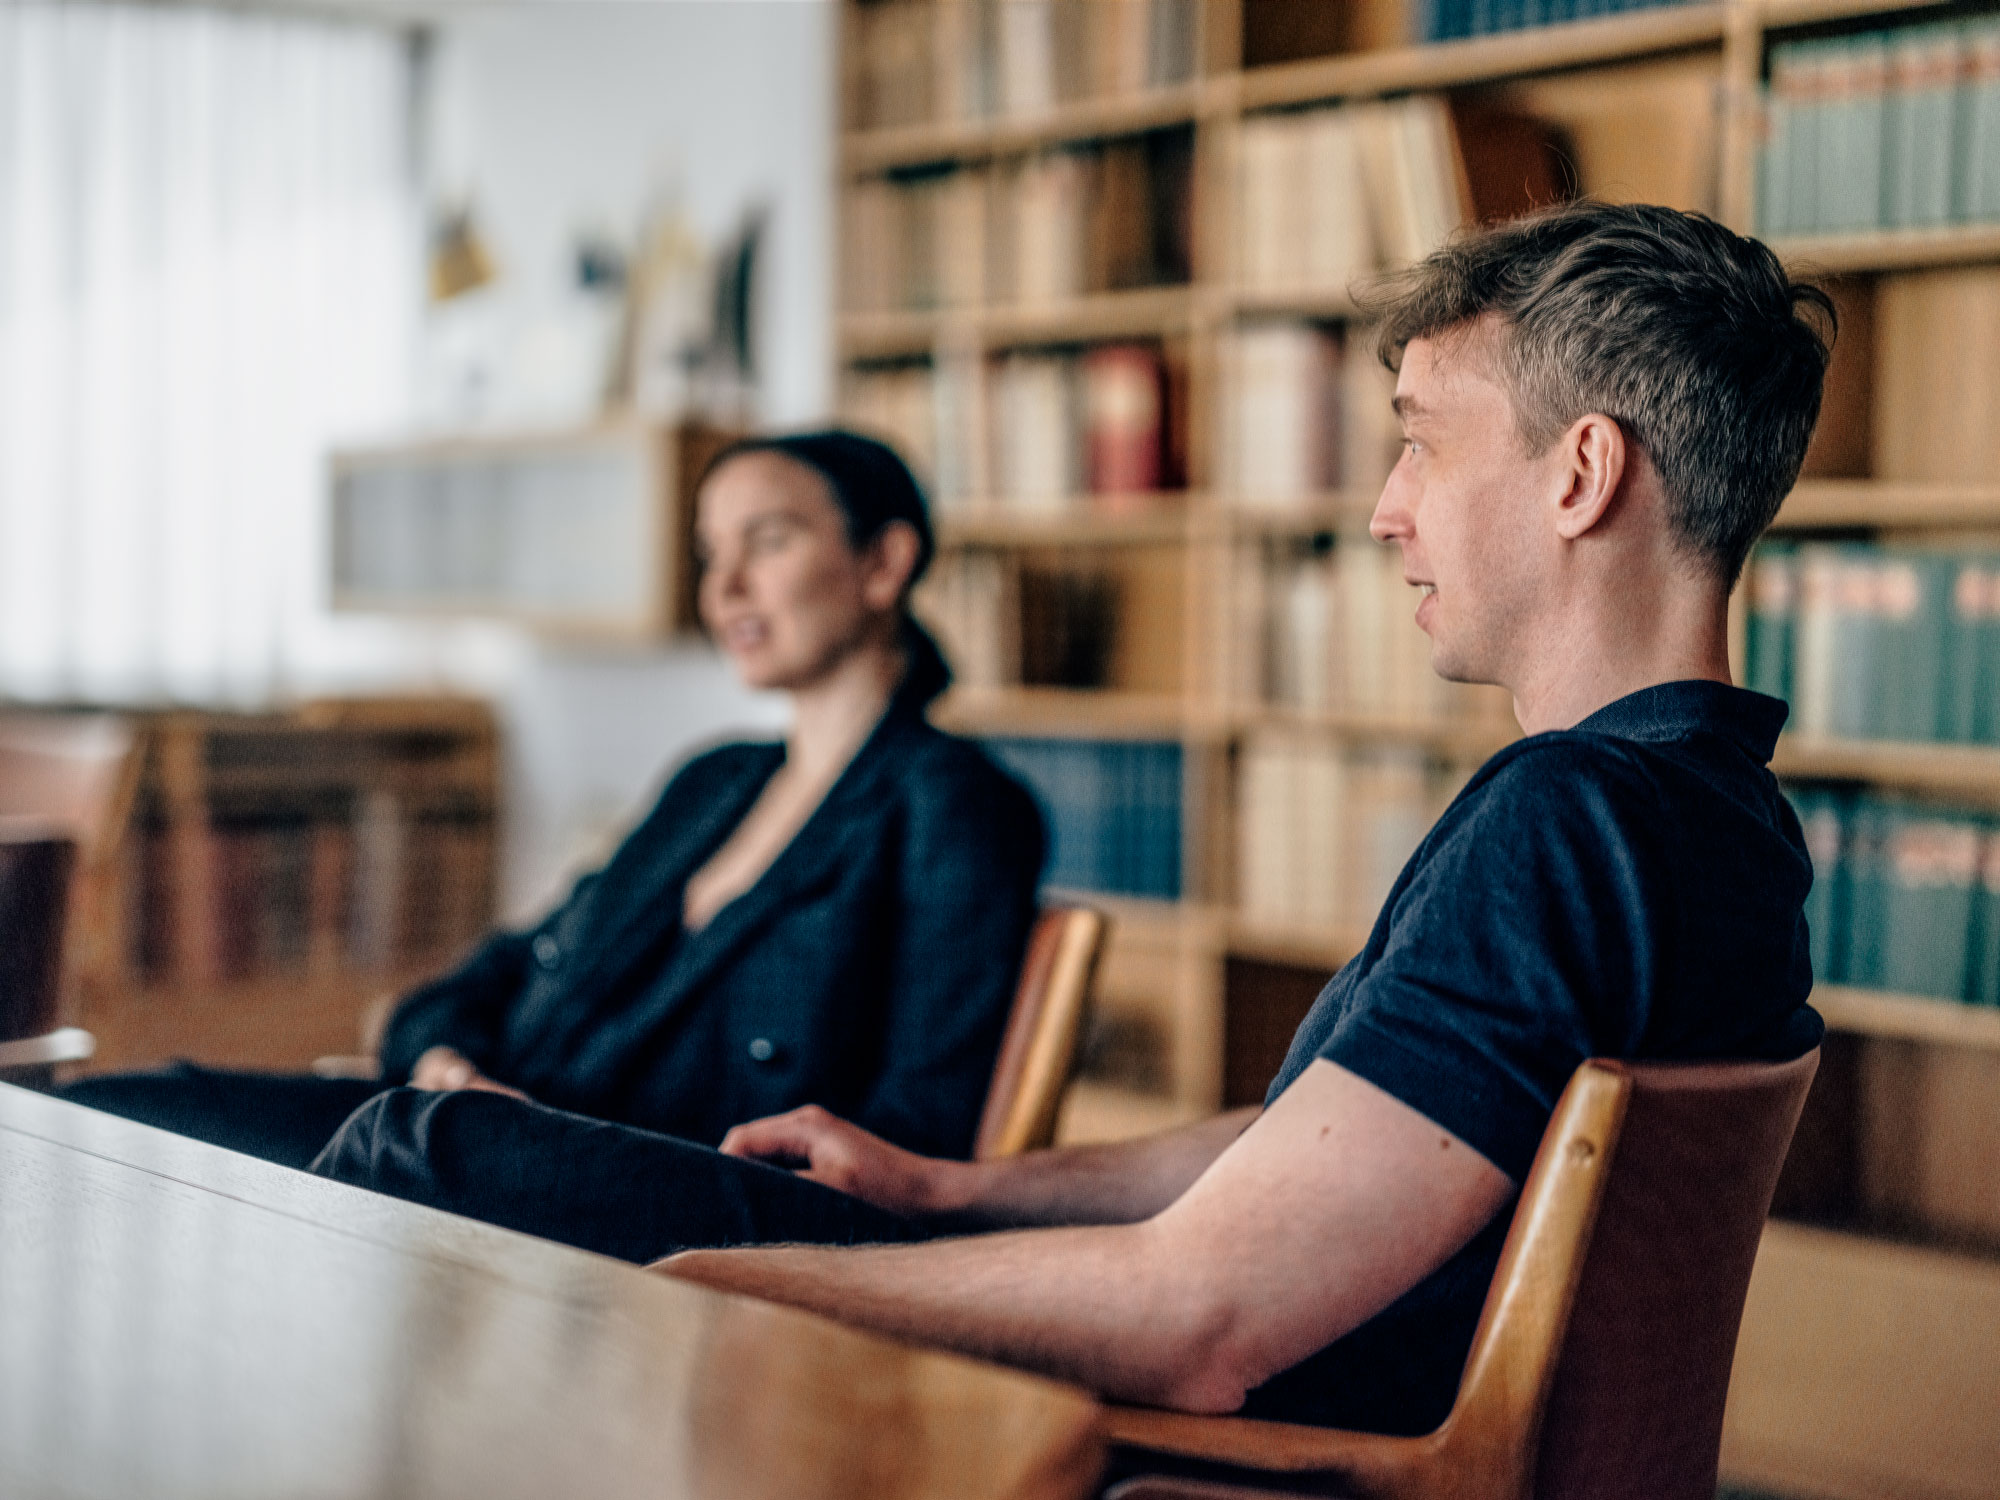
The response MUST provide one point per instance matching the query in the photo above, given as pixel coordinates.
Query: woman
(838, 918)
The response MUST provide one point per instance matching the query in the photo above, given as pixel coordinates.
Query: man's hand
(445, 1070)
(825, 1148)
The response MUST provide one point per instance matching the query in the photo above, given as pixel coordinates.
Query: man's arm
(1336, 1201)
(1115, 1184)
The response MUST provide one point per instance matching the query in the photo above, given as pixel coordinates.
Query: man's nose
(1392, 519)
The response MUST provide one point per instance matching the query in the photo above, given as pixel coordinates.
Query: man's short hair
(1691, 336)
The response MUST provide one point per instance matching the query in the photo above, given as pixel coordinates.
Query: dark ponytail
(873, 488)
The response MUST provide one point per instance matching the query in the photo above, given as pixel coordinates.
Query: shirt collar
(1675, 710)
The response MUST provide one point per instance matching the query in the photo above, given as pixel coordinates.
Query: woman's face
(782, 592)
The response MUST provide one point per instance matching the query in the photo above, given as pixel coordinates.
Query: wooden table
(180, 1321)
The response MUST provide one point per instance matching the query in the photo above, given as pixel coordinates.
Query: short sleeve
(1524, 938)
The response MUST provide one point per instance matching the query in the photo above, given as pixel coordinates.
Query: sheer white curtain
(209, 271)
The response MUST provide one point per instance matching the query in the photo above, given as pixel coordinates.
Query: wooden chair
(36, 874)
(67, 781)
(1601, 1362)
(1038, 1051)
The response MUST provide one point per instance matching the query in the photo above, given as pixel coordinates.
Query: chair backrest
(75, 771)
(1043, 1030)
(35, 877)
(1601, 1363)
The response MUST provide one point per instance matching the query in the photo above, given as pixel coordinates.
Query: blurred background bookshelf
(1095, 275)
(267, 876)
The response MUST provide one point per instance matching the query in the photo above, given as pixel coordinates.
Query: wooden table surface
(179, 1321)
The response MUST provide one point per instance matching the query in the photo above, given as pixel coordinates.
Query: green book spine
(1986, 701)
(1901, 147)
(1976, 183)
(1897, 699)
(1855, 704)
(1929, 646)
(1928, 872)
(1959, 651)
(1983, 982)
(1861, 961)
(1820, 822)
(1767, 645)
(1930, 116)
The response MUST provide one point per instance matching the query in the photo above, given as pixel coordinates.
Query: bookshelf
(280, 871)
(1220, 577)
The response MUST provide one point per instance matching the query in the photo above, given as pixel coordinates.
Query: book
(1882, 130)
(1870, 642)
(1124, 421)
(1281, 437)
(1905, 894)
(1113, 809)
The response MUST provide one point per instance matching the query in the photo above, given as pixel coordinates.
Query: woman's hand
(445, 1070)
(827, 1149)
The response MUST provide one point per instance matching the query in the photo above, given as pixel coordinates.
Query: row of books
(1040, 229)
(1885, 130)
(1033, 429)
(1872, 642)
(1113, 809)
(1327, 196)
(301, 893)
(1328, 627)
(1444, 20)
(1323, 829)
(1905, 897)
(1305, 410)
(918, 60)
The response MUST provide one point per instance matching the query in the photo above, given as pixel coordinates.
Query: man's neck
(1681, 635)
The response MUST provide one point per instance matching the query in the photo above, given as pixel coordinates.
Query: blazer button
(547, 951)
(762, 1049)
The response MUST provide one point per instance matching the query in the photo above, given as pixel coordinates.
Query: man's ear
(892, 556)
(1594, 453)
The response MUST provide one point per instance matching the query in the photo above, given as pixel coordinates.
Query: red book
(1122, 418)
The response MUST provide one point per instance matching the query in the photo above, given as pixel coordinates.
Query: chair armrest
(1367, 1463)
(68, 1044)
(350, 1065)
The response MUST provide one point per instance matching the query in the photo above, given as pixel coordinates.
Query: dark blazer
(869, 970)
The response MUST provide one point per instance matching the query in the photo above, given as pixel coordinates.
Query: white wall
(553, 118)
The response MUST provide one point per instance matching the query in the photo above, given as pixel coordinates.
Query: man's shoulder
(1558, 775)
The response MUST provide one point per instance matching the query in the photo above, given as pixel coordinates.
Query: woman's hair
(874, 488)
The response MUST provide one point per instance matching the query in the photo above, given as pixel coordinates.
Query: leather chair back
(1043, 1029)
(1635, 1407)
(35, 876)
(1601, 1363)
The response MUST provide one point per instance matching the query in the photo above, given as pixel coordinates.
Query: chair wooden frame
(1044, 1026)
(1490, 1447)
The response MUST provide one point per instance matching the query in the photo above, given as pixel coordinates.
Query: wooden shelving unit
(1490, 59)
(1879, 505)
(868, 151)
(1199, 967)
(281, 871)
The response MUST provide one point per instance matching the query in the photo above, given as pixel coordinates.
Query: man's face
(1468, 507)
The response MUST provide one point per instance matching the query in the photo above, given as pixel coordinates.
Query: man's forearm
(1117, 1319)
(1120, 1183)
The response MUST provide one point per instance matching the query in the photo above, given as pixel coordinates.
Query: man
(1603, 408)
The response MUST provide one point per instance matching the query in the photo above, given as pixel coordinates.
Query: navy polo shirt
(1632, 887)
